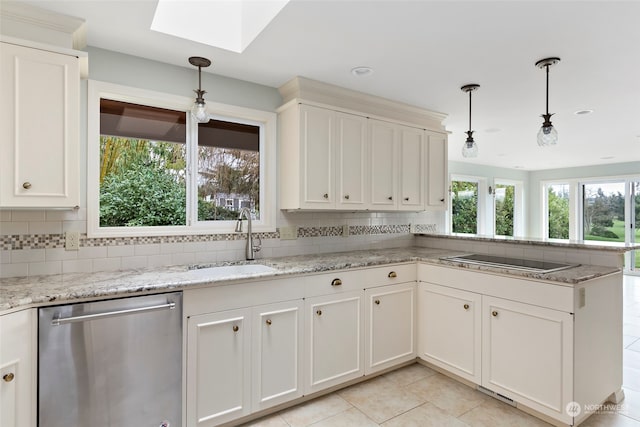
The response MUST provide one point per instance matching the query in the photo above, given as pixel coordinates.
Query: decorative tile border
(50, 241)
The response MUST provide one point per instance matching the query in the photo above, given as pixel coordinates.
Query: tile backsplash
(32, 241)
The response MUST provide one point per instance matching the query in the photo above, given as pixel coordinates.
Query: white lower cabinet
(449, 324)
(218, 367)
(390, 326)
(528, 354)
(334, 339)
(541, 344)
(277, 353)
(18, 346)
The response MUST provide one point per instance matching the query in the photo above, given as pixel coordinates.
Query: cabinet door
(437, 175)
(218, 367)
(527, 355)
(351, 162)
(18, 333)
(317, 141)
(334, 340)
(389, 326)
(277, 353)
(39, 132)
(383, 163)
(411, 195)
(449, 329)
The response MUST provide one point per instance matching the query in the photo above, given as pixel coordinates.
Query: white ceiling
(424, 51)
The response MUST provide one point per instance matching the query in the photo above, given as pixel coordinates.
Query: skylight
(227, 24)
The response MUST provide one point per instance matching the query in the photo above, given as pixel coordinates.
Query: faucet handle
(258, 246)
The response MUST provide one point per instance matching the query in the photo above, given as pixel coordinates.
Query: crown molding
(25, 16)
(302, 88)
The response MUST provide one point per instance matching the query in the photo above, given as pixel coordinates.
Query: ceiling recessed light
(362, 71)
(582, 112)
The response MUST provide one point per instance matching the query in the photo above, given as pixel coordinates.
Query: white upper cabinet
(323, 159)
(317, 145)
(39, 128)
(349, 151)
(437, 171)
(384, 165)
(411, 177)
(351, 162)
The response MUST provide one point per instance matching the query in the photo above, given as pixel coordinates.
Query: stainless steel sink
(510, 263)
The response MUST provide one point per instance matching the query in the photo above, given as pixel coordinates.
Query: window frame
(482, 213)
(519, 219)
(264, 119)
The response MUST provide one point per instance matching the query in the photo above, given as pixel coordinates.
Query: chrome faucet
(251, 248)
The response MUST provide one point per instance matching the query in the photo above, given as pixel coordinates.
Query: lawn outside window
(152, 170)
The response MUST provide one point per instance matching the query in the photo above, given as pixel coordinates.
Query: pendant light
(470, 148)
(547, 135)
(199, 109)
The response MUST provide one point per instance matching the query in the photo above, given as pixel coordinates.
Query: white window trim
(266, 120)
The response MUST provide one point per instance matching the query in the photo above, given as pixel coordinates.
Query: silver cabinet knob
(392, 275)
(377, 302)
(494, 313)
(336, 282)
(325, 195)
(406, 199)
(26, 185)
(346, 196)
(8, 377)
(466, 306)
(235, 328)
(390, 198)
(268, 322)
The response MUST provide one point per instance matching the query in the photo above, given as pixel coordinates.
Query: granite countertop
(619, 247)
(22, 292)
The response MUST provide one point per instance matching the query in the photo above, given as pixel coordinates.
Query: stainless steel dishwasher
(111, 363)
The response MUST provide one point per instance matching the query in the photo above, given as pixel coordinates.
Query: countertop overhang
(23, 292)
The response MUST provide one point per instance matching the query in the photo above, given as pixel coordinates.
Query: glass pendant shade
(470, 148)
(547, 136)
(199, 112)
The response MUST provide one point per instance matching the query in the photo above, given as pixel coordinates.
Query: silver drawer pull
(336, 282)
(85, 317)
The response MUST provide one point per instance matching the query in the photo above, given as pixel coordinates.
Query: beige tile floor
(418, 396)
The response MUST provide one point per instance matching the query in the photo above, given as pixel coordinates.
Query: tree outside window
(464, 207)
(558, 211)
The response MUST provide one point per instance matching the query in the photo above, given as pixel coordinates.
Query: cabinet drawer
(334, 282)
(350, 280)
(537, 292)
(241, 294)
(390, 274)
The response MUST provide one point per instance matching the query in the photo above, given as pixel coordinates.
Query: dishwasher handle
(107, 314)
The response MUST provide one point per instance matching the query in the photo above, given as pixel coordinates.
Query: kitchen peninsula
(525, 336)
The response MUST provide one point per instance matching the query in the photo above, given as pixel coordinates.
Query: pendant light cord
(470, 110)
(547, 67)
